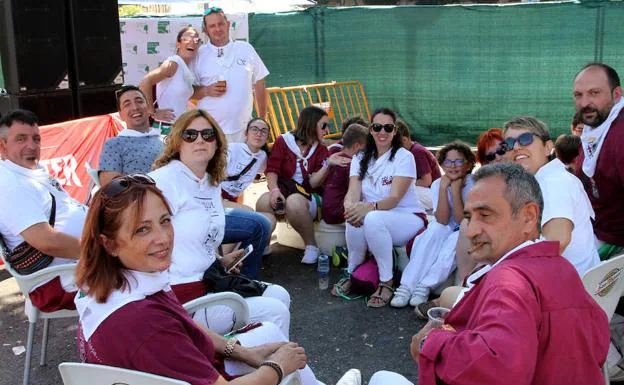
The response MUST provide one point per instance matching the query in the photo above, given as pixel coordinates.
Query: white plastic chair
(605, 284)
(25, 284)
(74, 373)
(231, 300)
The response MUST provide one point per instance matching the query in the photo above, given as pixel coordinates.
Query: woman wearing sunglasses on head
(297, 167)
(490, 147)
(189, 173)
(130, 318)
(173, 80)
(381, 206)
(432, 258)
(567, 211)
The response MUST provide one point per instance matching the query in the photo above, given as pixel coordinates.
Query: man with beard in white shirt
(29, 198)
(137, 146)
(230, 73)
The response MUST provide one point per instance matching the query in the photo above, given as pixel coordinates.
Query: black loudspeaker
(33, 45)
(96, 46)
(50, 107)
(97, 100)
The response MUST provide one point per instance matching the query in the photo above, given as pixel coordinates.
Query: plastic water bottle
(323, 270)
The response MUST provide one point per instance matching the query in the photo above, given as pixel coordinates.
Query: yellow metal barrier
(341, 100)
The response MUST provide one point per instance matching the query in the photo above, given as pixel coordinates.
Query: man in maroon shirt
(427, 169)
(599, 105)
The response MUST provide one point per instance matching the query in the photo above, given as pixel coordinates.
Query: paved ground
(337, 334)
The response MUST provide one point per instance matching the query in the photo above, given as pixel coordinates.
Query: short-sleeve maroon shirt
(426, 163)
(154, 335)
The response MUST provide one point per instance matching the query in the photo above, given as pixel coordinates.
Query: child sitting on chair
(337, 181)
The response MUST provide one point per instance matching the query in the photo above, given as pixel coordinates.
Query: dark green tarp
(450, 71)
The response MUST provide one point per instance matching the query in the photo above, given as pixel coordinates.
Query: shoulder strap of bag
(52, 211)
(243, 171)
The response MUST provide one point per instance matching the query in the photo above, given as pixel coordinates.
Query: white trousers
(385, 377)
(432, 258)
(381, 231)
(266, 333)
(273, 306)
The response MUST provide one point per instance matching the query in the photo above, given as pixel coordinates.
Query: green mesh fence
(450, 71)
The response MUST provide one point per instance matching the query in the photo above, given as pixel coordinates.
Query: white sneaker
(420, 295)
(401, 297)
(351, 377)
(310, 255)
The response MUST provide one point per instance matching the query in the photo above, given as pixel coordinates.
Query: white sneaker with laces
(420, 295)
(401, 297)
(310, 255)
(351, 377)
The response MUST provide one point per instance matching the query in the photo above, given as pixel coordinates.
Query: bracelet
(277, 367)
(229, 348)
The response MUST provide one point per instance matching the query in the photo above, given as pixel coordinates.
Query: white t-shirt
(435, 197)
(565, 197)
(238, 157)
(241, 67)
(198, 220)
(175, 92)
(377, 183)
(25, 201)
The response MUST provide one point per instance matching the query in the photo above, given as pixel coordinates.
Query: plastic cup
(437, 315)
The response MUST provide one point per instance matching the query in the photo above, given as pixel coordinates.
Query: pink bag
(365, 278)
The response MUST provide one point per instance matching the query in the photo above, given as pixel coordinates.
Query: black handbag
(217, 280)
(25, 259)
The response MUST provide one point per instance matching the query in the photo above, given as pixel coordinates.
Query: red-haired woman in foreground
(130, 318)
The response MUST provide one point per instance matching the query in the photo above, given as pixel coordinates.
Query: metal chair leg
(605, 373)
(44, 341)
(29, 345)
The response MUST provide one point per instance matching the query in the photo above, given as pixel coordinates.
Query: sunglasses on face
(210, 10)
(123, 183)
(189, 38)
(324, 126)
(500, 151)
(523, 140)
(259, 131)
(377, 127)
(453, 163)
(190, 135)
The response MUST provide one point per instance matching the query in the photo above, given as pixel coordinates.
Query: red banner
(67, 146)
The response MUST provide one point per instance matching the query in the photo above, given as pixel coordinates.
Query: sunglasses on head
(455, 163)
(377, 127)
(523, 140)
(190, 135)
(123, 183)
(210, 10)
(500, 151)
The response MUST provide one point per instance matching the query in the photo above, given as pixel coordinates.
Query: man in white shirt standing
(230, 73)
(28, 194)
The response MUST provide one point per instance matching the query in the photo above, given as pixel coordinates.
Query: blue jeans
(248, 227)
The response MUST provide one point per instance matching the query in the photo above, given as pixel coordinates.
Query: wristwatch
(421, 344)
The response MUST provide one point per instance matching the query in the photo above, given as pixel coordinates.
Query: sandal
(378, 295)
(343, 289)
